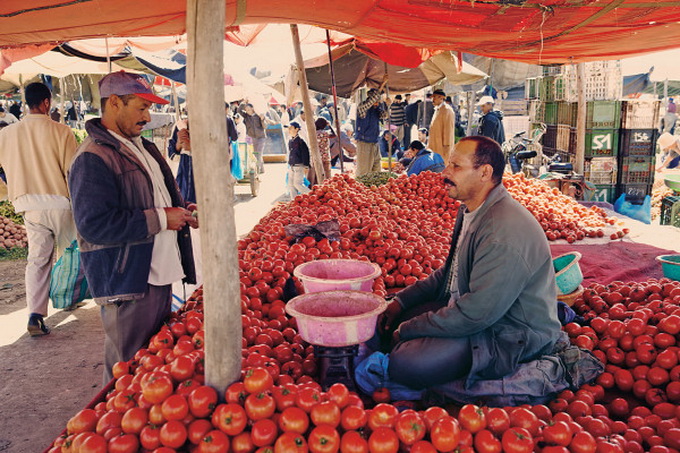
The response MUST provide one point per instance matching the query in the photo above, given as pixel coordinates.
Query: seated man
(423, 159)
(387, 140)
(493, 304)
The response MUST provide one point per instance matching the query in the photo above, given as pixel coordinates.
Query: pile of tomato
(160, 403)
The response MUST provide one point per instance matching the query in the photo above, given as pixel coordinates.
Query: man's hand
(183, 140)
(384, 82)
(193, 223)
(177, 218)
(396, 338)
(387, 320)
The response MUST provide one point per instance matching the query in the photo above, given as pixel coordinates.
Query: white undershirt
(166, 265)
(468, 217)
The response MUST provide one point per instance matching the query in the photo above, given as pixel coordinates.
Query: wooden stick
(335, 102)
(215, 193)
(314, 155)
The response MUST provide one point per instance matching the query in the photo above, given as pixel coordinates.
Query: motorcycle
(519, 149)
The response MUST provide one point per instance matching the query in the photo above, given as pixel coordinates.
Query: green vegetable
(377, 178)
(16, 253)
(7, 210)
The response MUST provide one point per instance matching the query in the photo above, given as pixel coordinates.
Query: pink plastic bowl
(332, 275)
(336, 318)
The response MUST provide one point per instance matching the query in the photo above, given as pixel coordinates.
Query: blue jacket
(491, 125)
(368, 127)
(298, 152)
(113, 207)
(425, 160)
(508, 295)
(396, 146)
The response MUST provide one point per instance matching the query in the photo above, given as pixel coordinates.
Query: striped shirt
(397, 113)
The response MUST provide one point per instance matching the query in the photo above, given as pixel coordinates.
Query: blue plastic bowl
(568, 273)
(670, 265)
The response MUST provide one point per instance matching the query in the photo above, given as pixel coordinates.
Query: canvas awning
(358, 65)
(533, 31)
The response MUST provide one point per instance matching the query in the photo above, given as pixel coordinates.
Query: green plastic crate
(603, 192)
(550, 113)
(602, 142)
(603, 115)
(567, 112)
(670, 211)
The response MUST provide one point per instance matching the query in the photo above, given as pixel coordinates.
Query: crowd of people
(131, 216)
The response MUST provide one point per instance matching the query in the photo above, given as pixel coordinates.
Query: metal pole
(311, 130)
(175, 99)
(335, 101)
(581, 117)
(215, 192)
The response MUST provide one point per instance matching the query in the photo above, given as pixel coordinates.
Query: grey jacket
(508, 296)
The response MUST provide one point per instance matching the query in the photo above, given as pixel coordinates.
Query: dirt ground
(45, 380)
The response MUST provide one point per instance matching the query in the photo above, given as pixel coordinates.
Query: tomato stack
(160, 403)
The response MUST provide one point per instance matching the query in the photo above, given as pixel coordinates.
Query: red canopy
(534, 31)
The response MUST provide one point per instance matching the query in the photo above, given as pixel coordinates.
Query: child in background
(298, 162)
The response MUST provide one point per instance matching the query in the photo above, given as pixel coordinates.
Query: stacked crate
(637, 148)
(670, 211)
(553, 101)
(601, 148)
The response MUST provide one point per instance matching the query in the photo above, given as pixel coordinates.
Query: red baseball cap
(121, 83)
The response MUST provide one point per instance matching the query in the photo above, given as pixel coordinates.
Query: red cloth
(617, 260)
(549, 31)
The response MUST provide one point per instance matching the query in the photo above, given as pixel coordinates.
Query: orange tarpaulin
(534, 31)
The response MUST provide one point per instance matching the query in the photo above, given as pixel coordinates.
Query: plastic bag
(68, 285)
(236, 168)
(323, 230)
(371, 374)
(641, 212)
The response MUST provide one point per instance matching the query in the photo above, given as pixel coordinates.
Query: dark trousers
(428, 361)
(128, 325)
(407, 135)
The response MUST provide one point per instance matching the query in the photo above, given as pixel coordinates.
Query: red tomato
(324, 439)
(472, 418)
(264, 432)
(213, 442)
(260, 406)
(257, 380)
(352, 442)
(383, 440)
(445, 433)
(290, 442)
(486, 442)
(325, 413)
(517, 440)
(230, 418)
(173, 434)
(410, 427)
(202, 401)
(383, 416)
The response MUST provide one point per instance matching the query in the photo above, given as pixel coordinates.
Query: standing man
(411, 117)
(133, 225)
(36, 154)
(443, 129)
(491, 122)
(255, 130)
(492, 305)
(425, 112)
(398, 116)
(369, 114)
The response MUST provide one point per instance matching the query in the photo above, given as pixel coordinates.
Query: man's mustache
(448, 181)
(141, 123)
